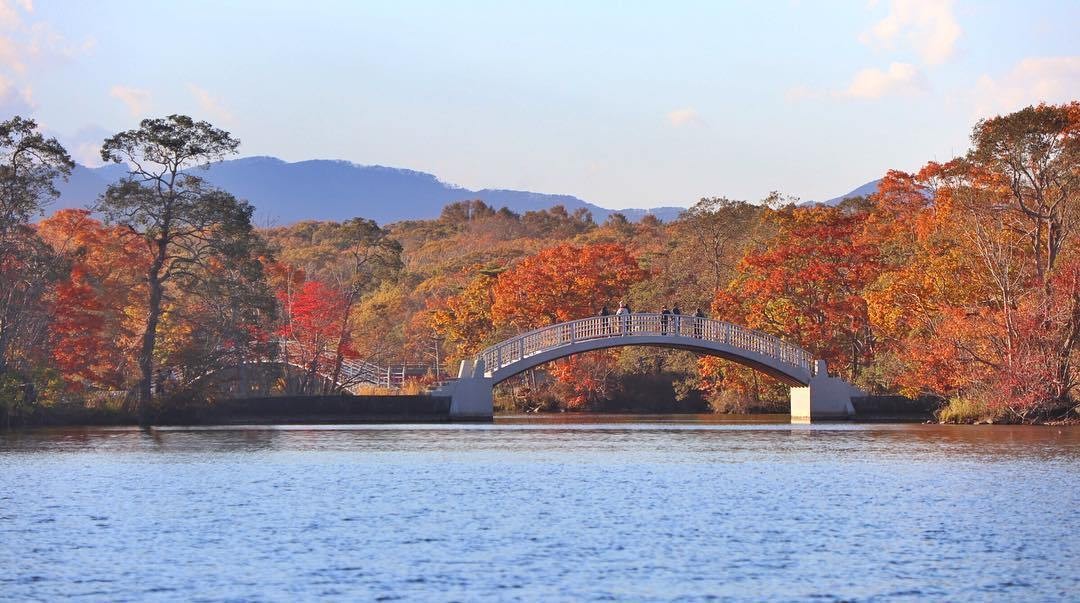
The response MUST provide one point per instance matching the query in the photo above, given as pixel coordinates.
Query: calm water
(595, 510)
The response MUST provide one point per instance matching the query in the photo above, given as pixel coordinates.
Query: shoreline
(574, 418)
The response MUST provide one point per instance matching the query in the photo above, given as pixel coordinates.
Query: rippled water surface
(600, 509)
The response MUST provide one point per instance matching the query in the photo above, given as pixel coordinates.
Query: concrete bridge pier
(824, 399)
(471, 397)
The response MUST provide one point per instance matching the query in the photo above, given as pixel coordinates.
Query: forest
(957, 284)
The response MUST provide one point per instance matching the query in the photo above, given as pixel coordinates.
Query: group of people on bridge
(671, 320)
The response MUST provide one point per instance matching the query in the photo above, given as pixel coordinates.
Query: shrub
(967, 409)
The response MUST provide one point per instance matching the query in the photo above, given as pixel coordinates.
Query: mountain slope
(863, 191)
(283, 192)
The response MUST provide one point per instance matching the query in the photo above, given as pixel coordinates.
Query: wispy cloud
(15, 98)
(1032, 80)
(28, 47)
(868, 84)
(873, 83)
(10, 12)
(136, 100)
(84, 145)
(687, 116)
(212, 106)
(928, 26)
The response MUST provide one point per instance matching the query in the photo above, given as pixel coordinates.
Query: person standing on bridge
(665, 313)
(676, 319)
(623, 315)
(605, 320)
(699, 318)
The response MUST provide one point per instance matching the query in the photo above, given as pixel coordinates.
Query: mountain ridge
(336, 189)
(284, 192)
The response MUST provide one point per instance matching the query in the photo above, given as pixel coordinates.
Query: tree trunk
(343, 334)
(149, 338)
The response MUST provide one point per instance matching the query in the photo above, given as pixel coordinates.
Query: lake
(560, 508)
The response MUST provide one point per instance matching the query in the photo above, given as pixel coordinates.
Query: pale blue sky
(625, 104)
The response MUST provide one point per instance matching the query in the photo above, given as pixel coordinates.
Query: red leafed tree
(311, 327)
(78, 328)
(95, 321)
(586, 379)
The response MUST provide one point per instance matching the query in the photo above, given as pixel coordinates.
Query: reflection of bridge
(814, 395)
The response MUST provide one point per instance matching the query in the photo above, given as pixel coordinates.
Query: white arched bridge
(814, 395)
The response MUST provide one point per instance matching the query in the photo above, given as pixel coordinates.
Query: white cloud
(9, 13)
(44, 43)
(137, 101)
(10, 56)
(687, 116)
(928, 26)
(1031, 81)
(84, 145)
(15, 98)
(873, 83)
(28, 48)
(212, 106)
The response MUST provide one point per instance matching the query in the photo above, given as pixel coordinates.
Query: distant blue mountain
(284, 193)
(863, 191)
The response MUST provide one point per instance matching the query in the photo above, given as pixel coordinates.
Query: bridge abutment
(471, 399)
(824, 399)
(471, 394)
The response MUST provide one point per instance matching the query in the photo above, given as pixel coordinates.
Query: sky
(620, 103)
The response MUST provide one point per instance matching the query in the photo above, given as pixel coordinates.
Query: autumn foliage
(564, 282)
(957, 282)
(95, 307)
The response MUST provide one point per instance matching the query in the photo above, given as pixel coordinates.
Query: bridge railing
(673, 326)
(356, 373)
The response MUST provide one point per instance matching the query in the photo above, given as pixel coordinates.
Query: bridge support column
(471, 399)
(824, 399)
(471, 396)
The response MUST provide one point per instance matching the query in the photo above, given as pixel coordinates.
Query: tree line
(959, 283)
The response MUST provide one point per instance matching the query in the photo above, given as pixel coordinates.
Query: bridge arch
(814, 393)
(785, 361)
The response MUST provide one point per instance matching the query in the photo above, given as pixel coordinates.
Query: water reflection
(574, 432)
(565, 508)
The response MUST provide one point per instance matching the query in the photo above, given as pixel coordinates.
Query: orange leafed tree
(465, 319)
(805, 285)
(95, 317)
(563, 283)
